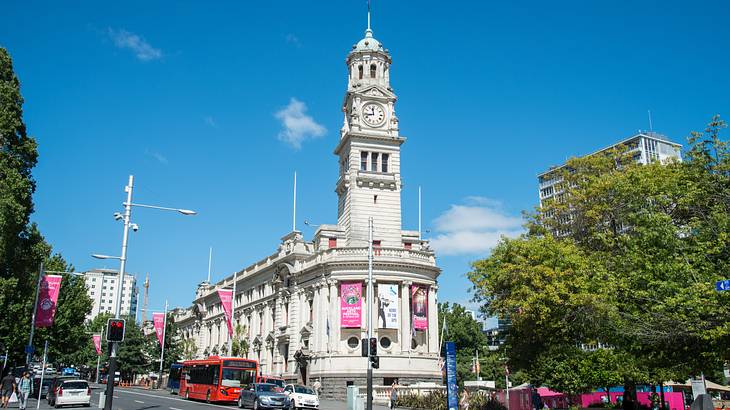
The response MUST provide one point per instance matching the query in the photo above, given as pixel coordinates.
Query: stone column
(405, 316)
(317, 329)
(433, 323)
(334, 317)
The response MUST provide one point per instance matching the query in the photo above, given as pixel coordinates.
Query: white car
(72, 392)
(301, 397)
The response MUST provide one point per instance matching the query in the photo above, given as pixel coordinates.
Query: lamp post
(126, 218)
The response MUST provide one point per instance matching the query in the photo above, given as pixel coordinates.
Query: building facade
(302, 308)
(101, 286)
(644, 147)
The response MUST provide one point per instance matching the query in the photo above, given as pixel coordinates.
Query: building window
(311, 310)
(385, 342)
(414, 344)
(363, 161)
(374, 162)
(286, 314)
(373, 70)
(359, 71)
(261, 323)
(408, 245)
(375, 199)
(384, 161)
(332, 243)
(353, 342)
(376, 247)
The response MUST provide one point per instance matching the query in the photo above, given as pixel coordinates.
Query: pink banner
(419, 307)
(227, 302)
(97, 344)
(158, 320)
(47, 299)
(351, 304)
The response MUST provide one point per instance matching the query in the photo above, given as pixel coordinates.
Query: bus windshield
(236, 377)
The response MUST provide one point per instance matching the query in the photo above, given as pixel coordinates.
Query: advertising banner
(419, 307)
(388, 306)
(226, 296)
(47, 299)
(452, 393)
(351, 304)
(97, 344)
(158, 320)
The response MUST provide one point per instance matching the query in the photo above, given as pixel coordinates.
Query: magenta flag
(227, 302)
(97, 344)
(351, 304)
(158, 320)
(47, 299)
(419, 307)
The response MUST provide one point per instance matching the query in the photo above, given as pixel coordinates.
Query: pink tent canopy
(545, 392)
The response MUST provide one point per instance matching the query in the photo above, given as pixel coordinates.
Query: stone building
(302, 308)
(101, 286)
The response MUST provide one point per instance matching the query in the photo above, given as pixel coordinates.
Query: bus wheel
(187, 394)
(207, 397)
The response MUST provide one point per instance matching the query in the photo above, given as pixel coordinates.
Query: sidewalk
(341, 405)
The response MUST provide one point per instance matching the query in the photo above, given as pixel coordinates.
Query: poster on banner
(452, 392)
(351, 304)
(97, 344)
(227, 302)
(158, 320)
(47, 300)
(419, 306)
(388, 306)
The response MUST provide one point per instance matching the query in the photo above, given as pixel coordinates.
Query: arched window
(373, 70)
(359, 70)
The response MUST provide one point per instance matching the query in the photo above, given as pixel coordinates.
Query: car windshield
(235, 377)
(278, 383)
(266, 388)
(303, 390)
(75, 385)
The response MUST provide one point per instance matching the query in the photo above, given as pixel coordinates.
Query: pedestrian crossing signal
(115, 330)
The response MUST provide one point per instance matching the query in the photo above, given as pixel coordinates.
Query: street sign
(29, 349)
(722, 285)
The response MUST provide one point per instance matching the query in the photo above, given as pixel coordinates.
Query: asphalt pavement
(130, 398)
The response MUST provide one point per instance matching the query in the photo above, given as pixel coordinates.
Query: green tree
(173, 346)
(633, 268)
(240, 346)
(134, 357)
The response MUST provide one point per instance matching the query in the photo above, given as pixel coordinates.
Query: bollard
(352, 393)
(102, 399)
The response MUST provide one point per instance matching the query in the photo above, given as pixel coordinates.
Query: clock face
(373, 114)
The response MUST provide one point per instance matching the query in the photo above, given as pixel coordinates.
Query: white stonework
(101, 286)
(289, 301)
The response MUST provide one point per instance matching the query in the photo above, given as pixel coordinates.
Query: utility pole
(370, 314)
(122, 264)
(98, 357)
(29, 348)
(233, 314)
(162, 347)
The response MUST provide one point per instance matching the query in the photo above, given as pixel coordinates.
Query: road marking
(139, 401)
(174, 408)
(116, 397)
(175, 399)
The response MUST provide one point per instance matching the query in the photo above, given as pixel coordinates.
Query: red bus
(217, 379)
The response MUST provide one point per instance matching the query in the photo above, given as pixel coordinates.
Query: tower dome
(369, 43)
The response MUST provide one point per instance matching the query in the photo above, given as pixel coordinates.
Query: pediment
(375, 91)
(257, 341)
(270, 338)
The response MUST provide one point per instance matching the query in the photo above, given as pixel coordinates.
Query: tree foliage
(627, 256)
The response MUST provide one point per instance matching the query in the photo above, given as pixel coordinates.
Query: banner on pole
(419, 307)
(97, 344)
(388, 306)
(47, 299)
(158, 320)
(226, 296)
(351, 304)
(452, 393)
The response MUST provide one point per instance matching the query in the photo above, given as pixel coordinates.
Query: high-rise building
(302, 309)
(644, 147)
(102, 288)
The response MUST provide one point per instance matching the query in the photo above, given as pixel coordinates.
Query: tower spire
(369, 16)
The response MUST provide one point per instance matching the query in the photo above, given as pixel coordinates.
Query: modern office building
(302, 307)
(644, 147)
(102, 288)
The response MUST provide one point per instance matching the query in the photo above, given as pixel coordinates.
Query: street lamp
(126, 217)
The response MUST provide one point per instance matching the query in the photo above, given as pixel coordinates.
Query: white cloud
(210, 121)
(157, 156)
(473, 228)
(141, 48)
(297, 126)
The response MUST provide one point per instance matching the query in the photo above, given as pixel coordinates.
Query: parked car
(262, 396)
(301, 397)
(67, 392)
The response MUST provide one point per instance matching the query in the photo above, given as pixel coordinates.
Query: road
(140, 399)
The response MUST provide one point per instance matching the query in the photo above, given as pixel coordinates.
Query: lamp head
(187, 212)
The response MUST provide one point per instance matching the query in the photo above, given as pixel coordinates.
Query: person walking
(7, 388)
(317, 386)
(24, 386)
(393, 394)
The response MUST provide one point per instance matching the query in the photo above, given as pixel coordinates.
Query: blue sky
(213, 106)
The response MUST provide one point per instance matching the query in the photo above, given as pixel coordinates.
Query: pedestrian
(464, 403)
(317, 386)
(7, 388)
(24, 390)
(393, 394)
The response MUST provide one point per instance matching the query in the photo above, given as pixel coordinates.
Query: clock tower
(369, 183)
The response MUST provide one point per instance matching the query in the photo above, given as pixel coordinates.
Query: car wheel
(255, 405)
(293, 405)
(240, 402)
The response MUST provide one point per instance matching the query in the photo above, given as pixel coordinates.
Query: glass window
(353, 342)
(373, 70)
(332, 243)
(363, 161)
(385, 342)
(384, 161)
(374, 162)
(359, 72)
(303, 390)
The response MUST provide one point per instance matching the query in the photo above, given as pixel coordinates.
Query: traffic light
(364, 346)
(373, 346)
(375, 360)
(115, 330)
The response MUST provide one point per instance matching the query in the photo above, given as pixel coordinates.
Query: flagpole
(162, 353)
(98, 356)
(43, 372)
(29, 348)
(233, 313)
(294, 216)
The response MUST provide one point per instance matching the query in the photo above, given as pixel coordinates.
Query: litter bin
(352, 393)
